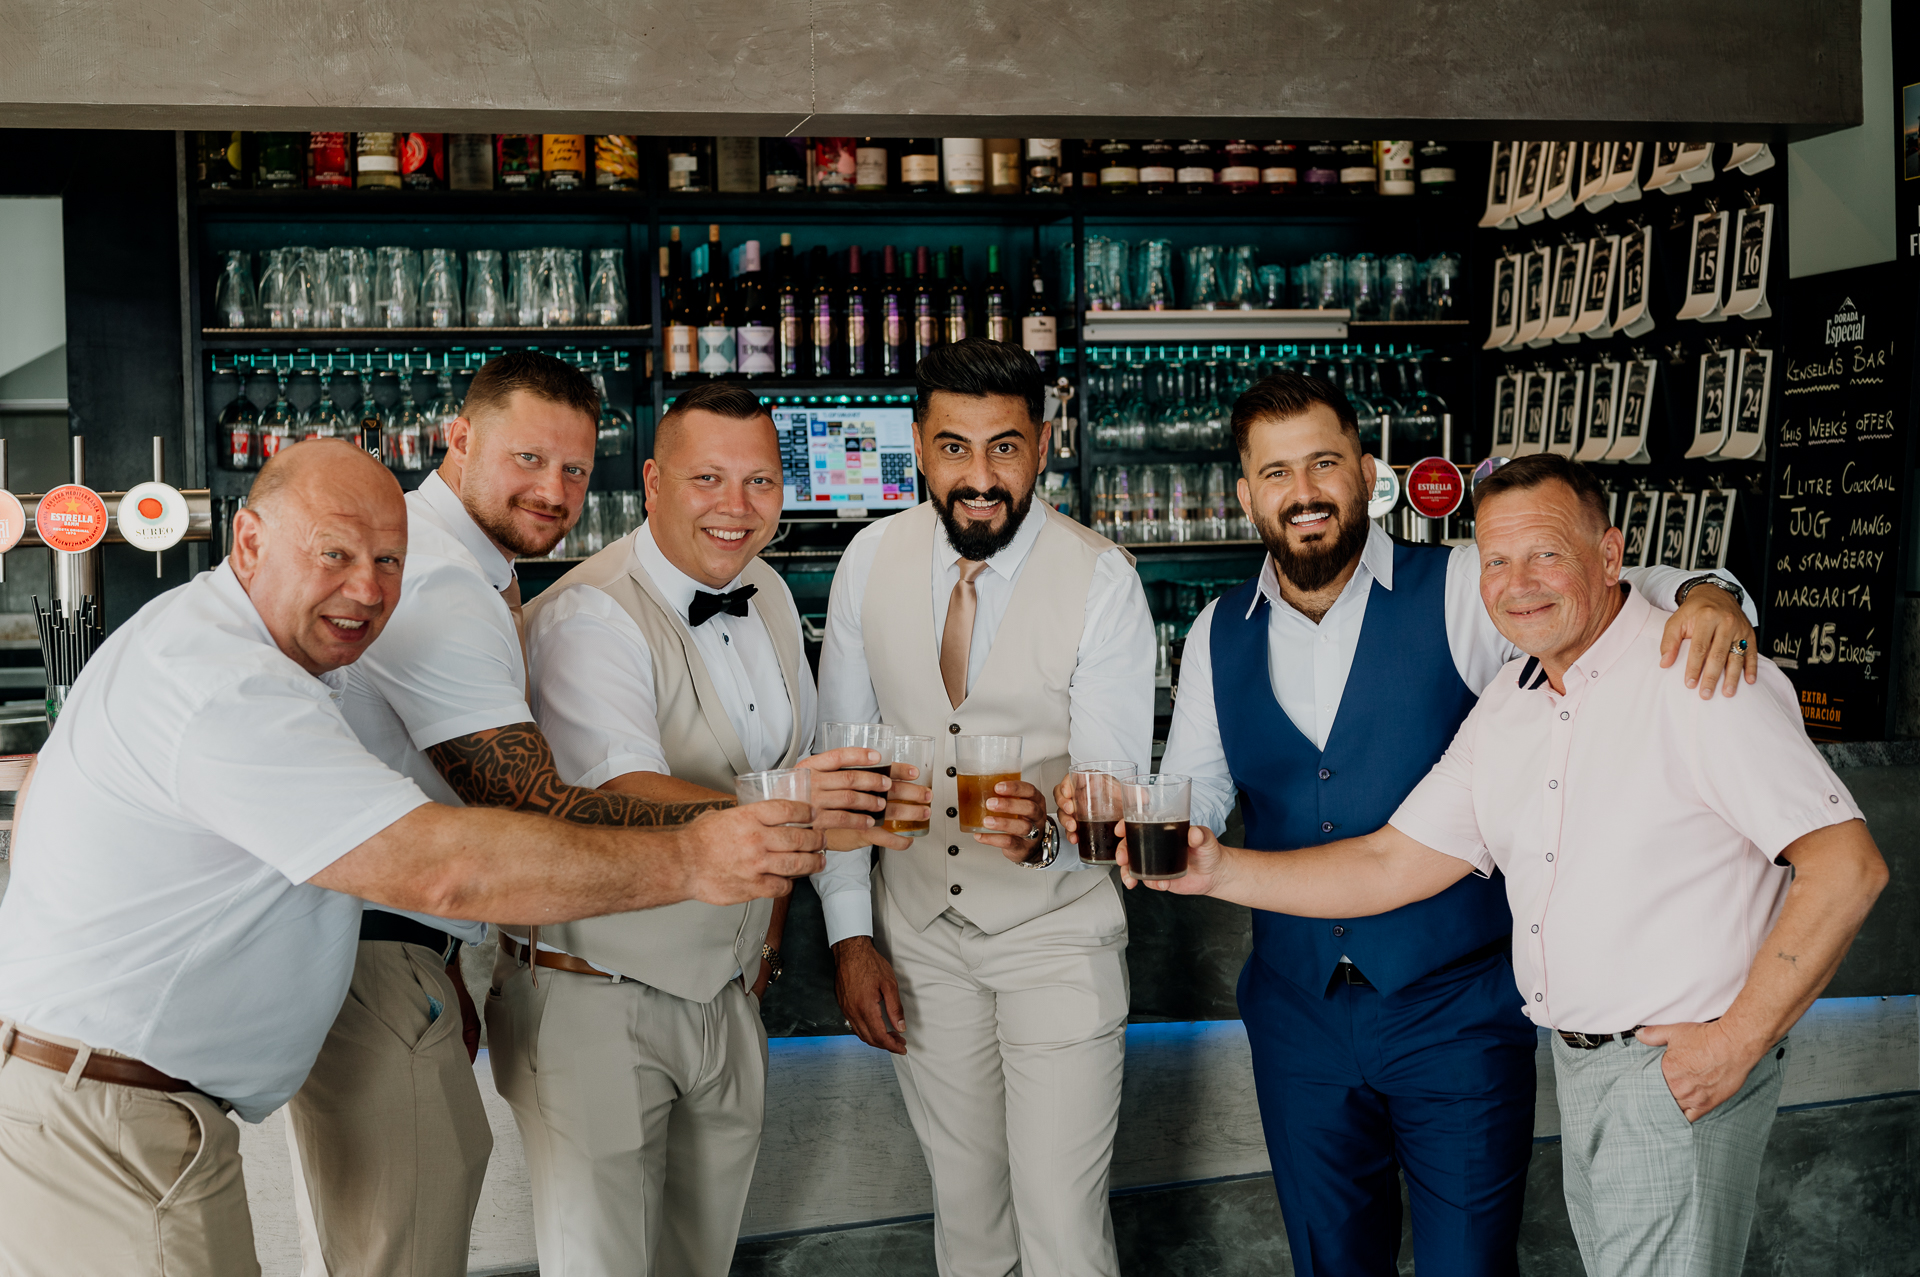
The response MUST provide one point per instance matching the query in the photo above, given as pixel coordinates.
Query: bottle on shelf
(752, 313)
(1240, 166)
(996, 301)
(1039, 332)
(1197, 167)
(689, 165)
(329, 161)
(1279, 167)
(376, 161)
(240, 431)
(423, 161)
(919, 166)
(957, 308)
(1358, 173)
(965, 162)
(854, 314)
(870, 165)
(1434, 169)
(790, 310)
(1042, 164)
(681, 335)
(563, 161)
(614, 438)
(835, 167)
(782, 166)
(281, 165)
(1159, 166)
(717, 353)
(404, 432)
(926, 306)
(1396, 165)
(736, 165)
(894, 316)
(516, 161)
(1119, 169)
(823, 315)
(1086, 166)
(470, 161)
(440, 414)
(329, 417)
(616, 162)
(1322, 176)
(222, 162)
(1003, 166)
(276, 425)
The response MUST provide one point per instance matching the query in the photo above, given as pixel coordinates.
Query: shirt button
(1536, 928)
(749, 707)
(1326, 826)
(953, 851)
(724, 638)
(1553, 784)
(954, 890)
(950, 771)
(1833, 798)
(1563, 713)
(952, 812)
(1539, 997)
(1325, 774)
(954, 728)
(1339, 931)
(1549, 855)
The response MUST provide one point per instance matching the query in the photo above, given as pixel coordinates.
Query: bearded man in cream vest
(631, 1047)
(993, 966)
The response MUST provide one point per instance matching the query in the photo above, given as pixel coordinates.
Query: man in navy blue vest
(1318, 694)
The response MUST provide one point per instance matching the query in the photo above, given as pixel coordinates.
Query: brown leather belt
(555, 961)
(101, 1068)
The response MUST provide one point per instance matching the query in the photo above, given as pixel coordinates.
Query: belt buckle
(1587, 1041)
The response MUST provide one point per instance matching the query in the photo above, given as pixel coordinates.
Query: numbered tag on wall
(1634, 318)
(1603, 380)
(1563, 422)
(1636, 412)
(1557, 197)
(1623, 175)
(1636, 525)
(1753, 386)
(1534, 278)
(1597, 287)
(1706, 262)
(1750, 158)
(1710, 403)
(1596, 158)
(1530, 172)
(1752, 250)
(1536, 394)
(1506, 287)
(1499, 185)
(1711, 527)
(1563, 296)
(1506, 414)
(1672, 528)
(1666, 158)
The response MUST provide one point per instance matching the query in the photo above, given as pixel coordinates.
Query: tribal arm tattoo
(512, 767)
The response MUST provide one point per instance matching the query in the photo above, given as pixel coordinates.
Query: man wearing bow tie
(663, 667)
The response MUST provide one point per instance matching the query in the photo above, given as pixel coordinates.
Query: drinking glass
(234, 302)
(1157, 812)
(1443, 285)
(1363, 285)
(350, 288)
(1154, 288)
(396, 287)
(561, 295)
(874, 736)
(1327, 280)
(1401, 288)
(273, 288)
(792, 784)
(440, 289)
(607, 287)
(1149, 505)
(486, 289)
(524, 299)
(594, 523)
(980, 763)
(912, 762)
(1214, 506)
(1203, 277)
(1274, 291)
(1243, 277)
(1097, 808)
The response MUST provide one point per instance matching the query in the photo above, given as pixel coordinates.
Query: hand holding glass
(912, 764)
(983, 762)
(1097, 809)
(1156, 810)
(793, 784)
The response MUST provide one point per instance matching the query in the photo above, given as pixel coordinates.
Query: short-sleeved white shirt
(448, 663)
(159, 904)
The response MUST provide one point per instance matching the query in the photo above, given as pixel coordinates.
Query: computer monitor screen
(842, 460)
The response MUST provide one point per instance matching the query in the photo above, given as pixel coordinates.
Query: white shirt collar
(224, 583)
(1007, 562)
(1376, 564)
(677, 587)
(450, 512)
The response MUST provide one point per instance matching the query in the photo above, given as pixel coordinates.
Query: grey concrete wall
(1524, 67)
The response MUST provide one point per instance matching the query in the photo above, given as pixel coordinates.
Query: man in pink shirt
(1685, 876)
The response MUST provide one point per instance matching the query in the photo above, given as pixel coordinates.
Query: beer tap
(1063, 444)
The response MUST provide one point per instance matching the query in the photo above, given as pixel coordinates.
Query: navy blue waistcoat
(1403, 702)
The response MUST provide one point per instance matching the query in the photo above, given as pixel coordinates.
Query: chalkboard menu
(1832, 589)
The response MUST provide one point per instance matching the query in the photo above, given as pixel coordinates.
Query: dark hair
(1544, 467)
(723, 399)
(1288, 394)
(979, 367)
(541, 376)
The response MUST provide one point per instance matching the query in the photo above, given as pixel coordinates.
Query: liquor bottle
(737, 165)
(1158, 171)
(965, 162)
(1043, 166)
(853, 325)
(516, 161)
(926, 307)
(1435, 169)
(563, 159)
(276, 425)
(682, 338)
(752, 314)
(996, 300)
(440, 414)
(870, 165)
(1197, 167)
(616, 162)
(1279, 167)
(280, 165)
(1240, 166)
(470, 161)
(919, 166)
(893, 317)
(957, 309)
(615, 435)
(376, 161)
(1119, 171)
(689, 165)
(1086, 167)
(403, 432)
(783, 169)
(240, 433)
(834, 165)
(220, 161)
(790, 310)
(823, 315)
(329, 161)
(717, 352)
(1003, 166)
(423, 161)
(1039, 332)
(1395, 162)
(1358, 173)
(1323, 168)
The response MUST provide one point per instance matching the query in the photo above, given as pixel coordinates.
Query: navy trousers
(1355, 1086)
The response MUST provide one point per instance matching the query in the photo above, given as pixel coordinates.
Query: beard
(980, 541)
(1319, 562)
(499, 524)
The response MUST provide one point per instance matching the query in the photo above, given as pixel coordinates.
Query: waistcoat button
(950, 771)
(953, 851)
(954, 889)
(952, 812)
(1339, 931)
(1326, 826)
(1325, 774)
(954, 728)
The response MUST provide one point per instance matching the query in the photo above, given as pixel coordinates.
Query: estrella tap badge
(1434, 487)
(71, 517)
(13, 521)
(152, 516)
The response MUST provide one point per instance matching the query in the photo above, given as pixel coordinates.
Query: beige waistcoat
(690, 949)
(1021, 691)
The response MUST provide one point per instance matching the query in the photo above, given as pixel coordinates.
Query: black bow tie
(707, 606)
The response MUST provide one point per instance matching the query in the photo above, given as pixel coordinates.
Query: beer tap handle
(1064, 391)
(159, 476)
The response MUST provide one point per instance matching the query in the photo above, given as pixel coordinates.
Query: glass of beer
(912, 761)
(981, 762)
(793, 784)
(1097, 807)
(1156, 810)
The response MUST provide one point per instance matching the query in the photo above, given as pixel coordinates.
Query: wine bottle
(689, 165)
(1435, 169)
(736, 163)
(1119, 171)
(682, 337)
(823, 314)
(782, 167)
(958, 307)
(376, 161)
(1279, 167)
(280, 163)
(1323, 168)
(1158, 170)
(470, 161)
(965, 160)
(1198, 166)
(1039, 333)
(753, 331)
(1240, 167)
(717, 351)
(423, 161)
(853, 327)
(1395, 162)
(329, 161)
(894, 319)
(870, 164)
(996, 302)
(919, 166)
(222, 162)
(1086, 167)
(563, 159)
(926, 307)
(1043, 166)
(789, 310)
(1358, 172)
(1003, 166)
(616, 162)
(516, 161)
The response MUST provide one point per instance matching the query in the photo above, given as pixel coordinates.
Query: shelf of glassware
(1215, 325)
(603, 336)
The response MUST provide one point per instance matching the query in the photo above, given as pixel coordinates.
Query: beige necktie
(958, 635)
(511, 597)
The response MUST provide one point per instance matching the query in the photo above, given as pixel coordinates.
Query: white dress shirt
(1636, 823)
(593, 690)
(1308, 664)
(448, 663)
(1110, 702)
(160, 903)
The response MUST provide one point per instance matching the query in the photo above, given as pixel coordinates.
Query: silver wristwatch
(1686, 588)
(1047, 850)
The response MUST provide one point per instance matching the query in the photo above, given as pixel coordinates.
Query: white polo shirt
(159, 904)
(448, 664)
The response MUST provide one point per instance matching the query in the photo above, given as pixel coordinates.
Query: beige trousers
(100, 1180)
(1015, 1047)
(640, 1113)
(389, 1136)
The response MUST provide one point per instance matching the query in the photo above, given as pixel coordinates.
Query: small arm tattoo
(1794, 958)
(512, 767)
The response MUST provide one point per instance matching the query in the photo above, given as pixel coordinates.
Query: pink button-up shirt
(1638, 826)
